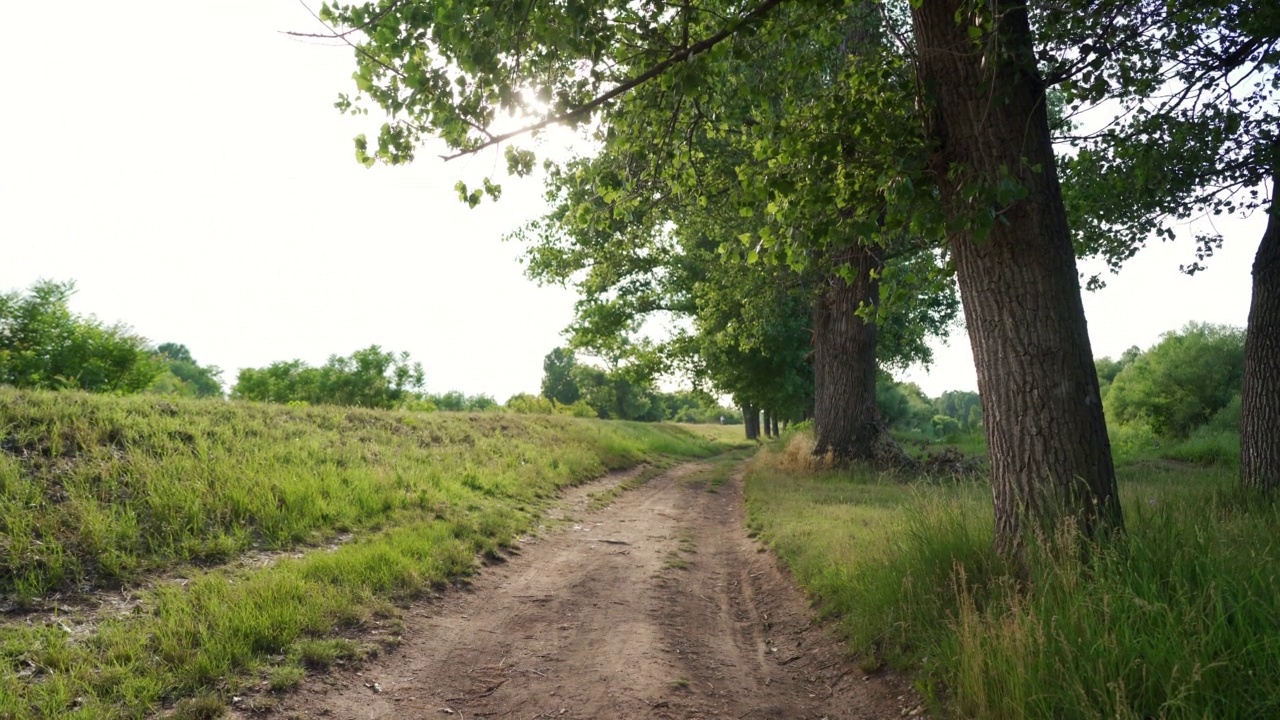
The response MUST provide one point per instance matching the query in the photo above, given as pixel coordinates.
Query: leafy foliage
(44, 345)
(702, 168)
(904, 406)
(557, 381)
(183, 376)
(1108, 368)
(371, 378)
(616, 393)
(1198, 90)
(1182, 382)
(454, 401)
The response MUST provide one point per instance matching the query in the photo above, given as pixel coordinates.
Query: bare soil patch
(656, 606)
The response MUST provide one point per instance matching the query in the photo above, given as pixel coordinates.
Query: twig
(333, 34)
(490, 691)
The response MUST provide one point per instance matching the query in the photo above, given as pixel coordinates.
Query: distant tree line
(44, 345)
(619, 394)
(904, 406)
(370, 377)
(1190, 382)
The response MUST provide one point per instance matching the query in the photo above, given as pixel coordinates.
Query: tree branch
(332, 35)
(674, 58)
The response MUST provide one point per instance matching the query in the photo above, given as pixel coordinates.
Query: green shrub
(1207, 446)
(44, 345)
(1182, 382)
(526, 404)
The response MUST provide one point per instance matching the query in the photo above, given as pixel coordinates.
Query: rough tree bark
(774, 420)
(1260, 402)
(1050, 456)
(844, 359)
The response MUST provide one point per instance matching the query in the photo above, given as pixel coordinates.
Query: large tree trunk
(844, 358)
(1050, 456)
(774, 419)
(751, 421)
(1260, 424)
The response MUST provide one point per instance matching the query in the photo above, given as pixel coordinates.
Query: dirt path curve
(657, 606)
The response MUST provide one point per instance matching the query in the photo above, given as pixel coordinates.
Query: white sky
(183, 163)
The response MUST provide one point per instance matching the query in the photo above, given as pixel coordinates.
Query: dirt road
(656, 606)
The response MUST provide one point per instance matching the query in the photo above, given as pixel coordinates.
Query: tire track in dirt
(657, 606)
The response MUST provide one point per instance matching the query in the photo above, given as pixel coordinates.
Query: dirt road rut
(656, 606)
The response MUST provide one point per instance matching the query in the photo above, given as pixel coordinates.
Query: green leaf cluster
(45, 345)
(1198, 92)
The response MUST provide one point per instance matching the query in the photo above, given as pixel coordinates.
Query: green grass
(1178, 621)
(724, 435)
(98, 492)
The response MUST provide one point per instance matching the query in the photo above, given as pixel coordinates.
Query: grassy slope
(1178, 622)
(99, 492)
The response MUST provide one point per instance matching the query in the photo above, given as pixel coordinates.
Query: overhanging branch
(671, 60)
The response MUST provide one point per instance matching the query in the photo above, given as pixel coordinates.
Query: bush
(1207, 446)
(44, 345)
(527, 404)
(578, 409)
(1131, 439)
(945, 426)
(1228, 418)
(1182, 382)
(369, 378)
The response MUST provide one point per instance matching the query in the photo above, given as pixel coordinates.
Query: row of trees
(43, 344)
(767, 162)
(370, 377)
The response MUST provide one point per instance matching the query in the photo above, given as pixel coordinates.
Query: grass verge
(1178, 621)
(99, 492)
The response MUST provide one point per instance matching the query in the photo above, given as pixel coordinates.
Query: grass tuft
(285, 677)
(205, 707)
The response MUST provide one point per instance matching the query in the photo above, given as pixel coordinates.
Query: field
(1175, 621)
(165, 554)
